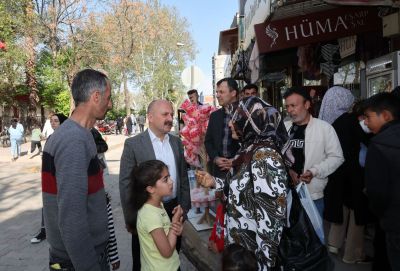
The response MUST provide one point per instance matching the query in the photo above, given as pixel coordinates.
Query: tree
(30, 44)
(61, 23)
(49, 41)
(12, 58)
(140, 39)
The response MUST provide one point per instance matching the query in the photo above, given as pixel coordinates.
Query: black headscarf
(61, 117)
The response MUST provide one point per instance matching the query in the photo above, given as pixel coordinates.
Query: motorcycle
(106, 128)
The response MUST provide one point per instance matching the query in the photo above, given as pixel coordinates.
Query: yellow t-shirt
(151, 218)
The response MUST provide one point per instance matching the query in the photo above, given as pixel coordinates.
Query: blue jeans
(319, 203)
(15, 147)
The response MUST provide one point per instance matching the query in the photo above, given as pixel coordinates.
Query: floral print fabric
(256, 186)
(256, 205)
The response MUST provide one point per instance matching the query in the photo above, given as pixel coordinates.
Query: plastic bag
(300, 248)
(311, 210)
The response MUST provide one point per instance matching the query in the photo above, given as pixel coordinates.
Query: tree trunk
(70, 77)
(31, 81)
(126, 93)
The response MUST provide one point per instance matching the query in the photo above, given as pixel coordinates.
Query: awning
(228, 41)
(395, 3)
(316, 27)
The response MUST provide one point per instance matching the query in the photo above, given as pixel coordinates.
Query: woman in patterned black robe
(256, 186)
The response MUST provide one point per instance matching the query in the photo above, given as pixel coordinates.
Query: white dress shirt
(163, 152)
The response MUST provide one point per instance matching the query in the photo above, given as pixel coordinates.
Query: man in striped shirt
(74, 201)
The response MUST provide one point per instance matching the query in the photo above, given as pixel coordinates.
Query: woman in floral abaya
(256, 186)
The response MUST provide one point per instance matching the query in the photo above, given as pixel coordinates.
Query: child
(157, 235)
(382, 168)
(112, 249)
(238, 258)
(35, 140)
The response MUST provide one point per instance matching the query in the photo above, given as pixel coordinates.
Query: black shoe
(39, 237)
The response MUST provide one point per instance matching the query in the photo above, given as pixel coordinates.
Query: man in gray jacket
(154, 143)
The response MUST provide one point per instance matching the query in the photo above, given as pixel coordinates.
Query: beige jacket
(323, 154)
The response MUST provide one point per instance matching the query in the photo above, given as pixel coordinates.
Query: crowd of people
(347, 158)
(130, 124)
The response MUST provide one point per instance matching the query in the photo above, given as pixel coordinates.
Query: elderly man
(74, 201)
(154, 143)
(314, 144)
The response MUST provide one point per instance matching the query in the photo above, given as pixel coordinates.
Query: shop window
(348, 76)
(311, 82)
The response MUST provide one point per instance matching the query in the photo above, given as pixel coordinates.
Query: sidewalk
(20, 207)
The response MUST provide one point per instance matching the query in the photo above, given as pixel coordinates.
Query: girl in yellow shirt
(157, 235)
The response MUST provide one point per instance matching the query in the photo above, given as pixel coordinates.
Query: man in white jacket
(314, 145)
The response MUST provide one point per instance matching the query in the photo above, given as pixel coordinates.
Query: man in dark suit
(154, 143)
(220, 146)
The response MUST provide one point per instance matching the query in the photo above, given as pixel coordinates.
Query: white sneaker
(39, 237)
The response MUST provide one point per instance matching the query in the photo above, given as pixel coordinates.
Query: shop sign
(347, 46)
(255, 12)
(364, 2)
(316, 27)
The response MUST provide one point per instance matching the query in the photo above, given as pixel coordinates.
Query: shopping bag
(311, 210)
(217, 233)
(300, 249)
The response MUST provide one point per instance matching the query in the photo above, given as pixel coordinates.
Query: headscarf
(61, 117)
(337, 101)
(257, 123)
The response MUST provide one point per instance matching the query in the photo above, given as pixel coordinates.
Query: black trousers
(393, 249)
(169, 207)
(381, 260)
(34, 144)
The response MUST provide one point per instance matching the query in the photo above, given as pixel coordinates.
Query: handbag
(300, 247)
(217, 233)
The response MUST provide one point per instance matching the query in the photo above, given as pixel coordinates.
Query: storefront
(324, 46)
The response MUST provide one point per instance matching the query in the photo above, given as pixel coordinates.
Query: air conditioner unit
(391, 24)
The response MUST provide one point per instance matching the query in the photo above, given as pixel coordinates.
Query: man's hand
(116, 265)
(228, 164)
(306, 176)
(128, 228)
(223, 163)
(295, 177)
(205, 179)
